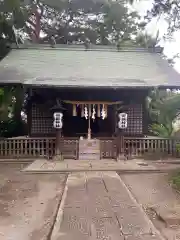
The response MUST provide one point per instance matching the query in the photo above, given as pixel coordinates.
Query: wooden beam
(92, 102)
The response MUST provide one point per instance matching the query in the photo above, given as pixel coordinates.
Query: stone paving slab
(86, 165)
(37, 164)
(106, 228)
(89, 212)
(160, 199)
(76, 221)
(142, 237)
(133, 223)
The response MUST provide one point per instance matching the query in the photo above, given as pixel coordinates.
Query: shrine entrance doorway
(76, 124)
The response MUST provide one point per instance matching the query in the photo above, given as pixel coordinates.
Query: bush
(175, 180)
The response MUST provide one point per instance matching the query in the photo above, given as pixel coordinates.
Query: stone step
(89, 140)
(87, 143)
(93, 154)
(90, 147)
(89, 157)
(89, 153)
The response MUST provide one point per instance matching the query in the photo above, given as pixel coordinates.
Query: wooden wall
(135, 120)
(41, 119)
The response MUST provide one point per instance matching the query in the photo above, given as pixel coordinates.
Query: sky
(170, 48)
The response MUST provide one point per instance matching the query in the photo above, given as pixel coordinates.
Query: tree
(164, 110)
(169, 9)
(101, 22)
(94, 21)
(146, 40)
(12, 13)
(6, 103)
(11, 105)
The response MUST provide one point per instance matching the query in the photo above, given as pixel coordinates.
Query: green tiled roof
(75, 67)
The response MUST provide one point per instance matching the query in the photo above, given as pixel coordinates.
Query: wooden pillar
(58, 142)
(57, 123)
(89, 128)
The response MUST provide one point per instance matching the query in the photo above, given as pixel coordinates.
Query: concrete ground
(90, 205)
(97, 205)
(160, 201)
(28, 203)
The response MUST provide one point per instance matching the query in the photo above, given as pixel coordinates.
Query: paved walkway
(160, 198)
(42, 165)
(97, 205)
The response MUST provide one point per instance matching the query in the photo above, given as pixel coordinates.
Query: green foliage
(178, 147)
(163, 110)
(101, 22)
(6, 103)
(12, 128)
(175, 180)
(12, 15)
(160, 130)
(11, 100)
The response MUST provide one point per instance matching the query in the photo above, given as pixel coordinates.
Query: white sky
(170, 48)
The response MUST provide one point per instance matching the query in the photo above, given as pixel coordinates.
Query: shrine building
(79, 98)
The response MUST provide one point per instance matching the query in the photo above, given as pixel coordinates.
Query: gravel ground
(155, 194)
(28, 203)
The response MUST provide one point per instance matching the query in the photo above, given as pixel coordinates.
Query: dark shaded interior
(76, 126)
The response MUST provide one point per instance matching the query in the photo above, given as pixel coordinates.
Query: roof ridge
(80, 47)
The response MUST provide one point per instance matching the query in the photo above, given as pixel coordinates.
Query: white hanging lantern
(122, 123)
(103, 112)
(86, 112)
(57, 123)
(93, 113)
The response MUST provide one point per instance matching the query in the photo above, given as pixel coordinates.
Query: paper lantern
(122, 123)
(57, 123)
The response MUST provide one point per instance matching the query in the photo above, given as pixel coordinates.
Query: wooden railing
(108, 148)
(25, 147)
(70, 148)
(156, 146)
(139, 147)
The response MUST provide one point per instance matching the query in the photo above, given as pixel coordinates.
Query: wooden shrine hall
(84, 103)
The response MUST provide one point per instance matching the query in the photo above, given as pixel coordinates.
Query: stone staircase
(89, 149)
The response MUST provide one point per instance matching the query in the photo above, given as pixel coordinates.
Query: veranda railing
(153, 146)
(139, 147)
(26, 147)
